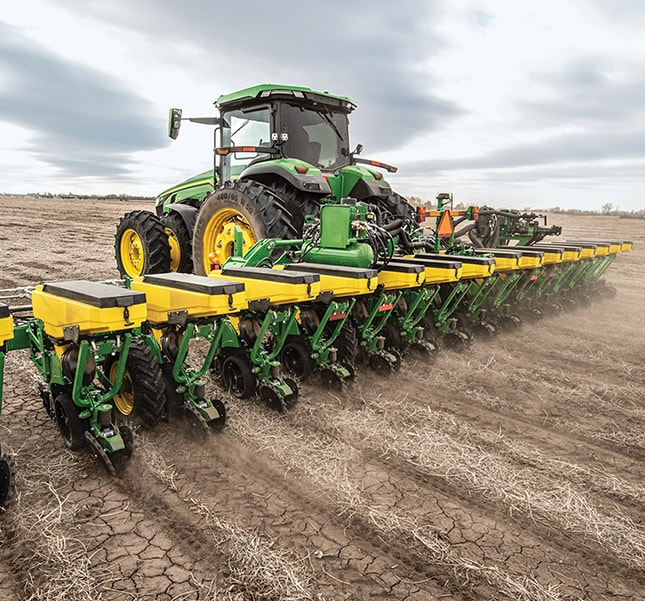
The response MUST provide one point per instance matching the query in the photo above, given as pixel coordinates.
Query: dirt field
(513, 471)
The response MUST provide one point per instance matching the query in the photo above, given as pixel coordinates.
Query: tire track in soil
(484, 528)
(127, 554)
(572, 448)
(242, 482)
(454, 561)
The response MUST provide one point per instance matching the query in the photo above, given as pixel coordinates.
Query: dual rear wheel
(146, 243)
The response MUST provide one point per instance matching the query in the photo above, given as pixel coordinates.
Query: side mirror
(359, 149)
(174, 122)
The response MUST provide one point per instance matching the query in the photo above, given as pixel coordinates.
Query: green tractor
(280, 152)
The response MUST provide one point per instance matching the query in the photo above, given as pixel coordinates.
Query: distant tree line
(82, 196)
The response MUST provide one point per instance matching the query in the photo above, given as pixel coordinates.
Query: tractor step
(70, 308)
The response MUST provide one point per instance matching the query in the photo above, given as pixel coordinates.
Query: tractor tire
(142, 394)
(71, 426)
(255, 208)
(180, 241)
(396, 205)
(298, 203)
(141, 245)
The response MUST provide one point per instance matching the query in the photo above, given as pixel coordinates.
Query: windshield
(246, 128)
(316, 136)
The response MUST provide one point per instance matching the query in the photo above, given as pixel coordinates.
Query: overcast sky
(508, 103)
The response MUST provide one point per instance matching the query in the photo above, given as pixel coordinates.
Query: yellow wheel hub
(124, 399)
(132, 253)
(175, 249)
(219, 237)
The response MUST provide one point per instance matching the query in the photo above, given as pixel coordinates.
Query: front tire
(180, 242)
(252, 207)
(141, 245)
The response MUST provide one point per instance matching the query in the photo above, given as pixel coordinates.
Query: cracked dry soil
(511, 471)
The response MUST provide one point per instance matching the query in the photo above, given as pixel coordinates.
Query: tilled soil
(511, 470)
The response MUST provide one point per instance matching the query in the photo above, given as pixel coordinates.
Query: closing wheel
(237, 377)
(120, 459)
(290, 400)
(180, 242)
(277, 401)
(423, 350)
(256, 210)
(141, 245)
(332, 380)
(385, 362)
(71, 426)
(271, 397)
(141, 394)
(296, 359)
(7, 480)
(218, 423)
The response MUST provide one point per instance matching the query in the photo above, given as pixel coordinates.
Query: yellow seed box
(91, 307)
(279, 287)
(196, 296)
(341, 281)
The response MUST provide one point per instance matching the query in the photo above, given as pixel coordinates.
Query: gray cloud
(565, 148)
(589, 90)
(84, 122)
(591, 94)
(375, 56)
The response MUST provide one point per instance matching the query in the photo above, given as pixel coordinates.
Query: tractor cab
(266, 123)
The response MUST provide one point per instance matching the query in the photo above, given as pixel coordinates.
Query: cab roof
(263, 92)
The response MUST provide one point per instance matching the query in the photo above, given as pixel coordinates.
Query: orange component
(213, 259)
(445, 229)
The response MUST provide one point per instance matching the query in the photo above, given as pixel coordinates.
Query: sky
(506, 103)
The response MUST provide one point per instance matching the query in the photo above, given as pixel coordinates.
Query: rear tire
(298, 203)
(251, 206)
(141, 245)
(396, 205)
(180, 242)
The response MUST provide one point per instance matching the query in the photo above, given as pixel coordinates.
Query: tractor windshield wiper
(326, 117)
